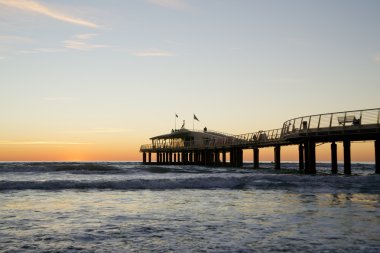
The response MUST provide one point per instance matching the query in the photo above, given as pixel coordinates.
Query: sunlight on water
(189, 220)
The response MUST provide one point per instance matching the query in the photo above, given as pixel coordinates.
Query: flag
(195, 117)
(176, 115)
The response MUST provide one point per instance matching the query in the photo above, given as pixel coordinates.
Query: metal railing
(260, 136)
(256, 138)
(339, 121)
(331, 121)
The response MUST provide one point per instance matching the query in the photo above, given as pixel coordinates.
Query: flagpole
(175, 121)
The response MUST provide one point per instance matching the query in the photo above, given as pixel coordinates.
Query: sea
(131, 207)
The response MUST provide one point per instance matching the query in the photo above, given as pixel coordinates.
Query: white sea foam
(299, 183)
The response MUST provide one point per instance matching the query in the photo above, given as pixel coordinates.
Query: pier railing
(339, 121)
(323, 124)
(248, 139)
(260, 137)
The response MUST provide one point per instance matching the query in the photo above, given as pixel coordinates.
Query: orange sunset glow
(94, 82)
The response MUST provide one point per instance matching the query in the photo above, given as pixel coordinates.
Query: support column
(232, 157)
(224, 157)
(301, 164)
(312, 162)
(334, 158)
(377, 156)
(347, 157)
(150, 157)
(212, 158)
(306, 155)
(256, 158)
(277, 157)
(144, 158)
(241, 157)
(158, 157)
(310, 165)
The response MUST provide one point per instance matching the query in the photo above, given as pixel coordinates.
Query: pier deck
(210, 148)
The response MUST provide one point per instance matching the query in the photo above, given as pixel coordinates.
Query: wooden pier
(211, 148)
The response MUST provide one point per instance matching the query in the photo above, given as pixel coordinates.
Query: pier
(211, 148)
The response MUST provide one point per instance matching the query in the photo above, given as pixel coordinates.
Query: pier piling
(277, 157)
(310, 166)
(334, 158)
(347, 157)
(301, 157)
(256, 158)
(377, 156)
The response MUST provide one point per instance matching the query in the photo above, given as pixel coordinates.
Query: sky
(92, 80)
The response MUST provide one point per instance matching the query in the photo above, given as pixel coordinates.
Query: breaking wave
(298, 183)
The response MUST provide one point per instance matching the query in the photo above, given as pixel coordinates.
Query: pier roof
(183, 133)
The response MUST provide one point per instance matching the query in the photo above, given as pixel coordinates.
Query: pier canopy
(183, 138)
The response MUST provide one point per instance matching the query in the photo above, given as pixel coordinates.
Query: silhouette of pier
(211, 148)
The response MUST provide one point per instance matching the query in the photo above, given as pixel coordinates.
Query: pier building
(212, 148)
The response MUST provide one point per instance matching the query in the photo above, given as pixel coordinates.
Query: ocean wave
(58, 166)
(298, 183)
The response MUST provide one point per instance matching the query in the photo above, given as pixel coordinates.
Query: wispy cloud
(42, 143)
(81, 42)
(154, 53)
(35, 7)
(41, 50)
(61, 98)
(285, 81)
(97, 131)
(14, 39)
(171, 4)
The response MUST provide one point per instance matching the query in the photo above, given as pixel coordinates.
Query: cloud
(154, 53)
(377, 57)
(49, 50)
(98, 131)
(171, 4)
(41, 50)
(80, 42)
(35, 7)
(61, 98)
(14, 39)
(42, 143)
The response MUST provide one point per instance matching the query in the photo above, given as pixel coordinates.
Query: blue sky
(119, 70)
